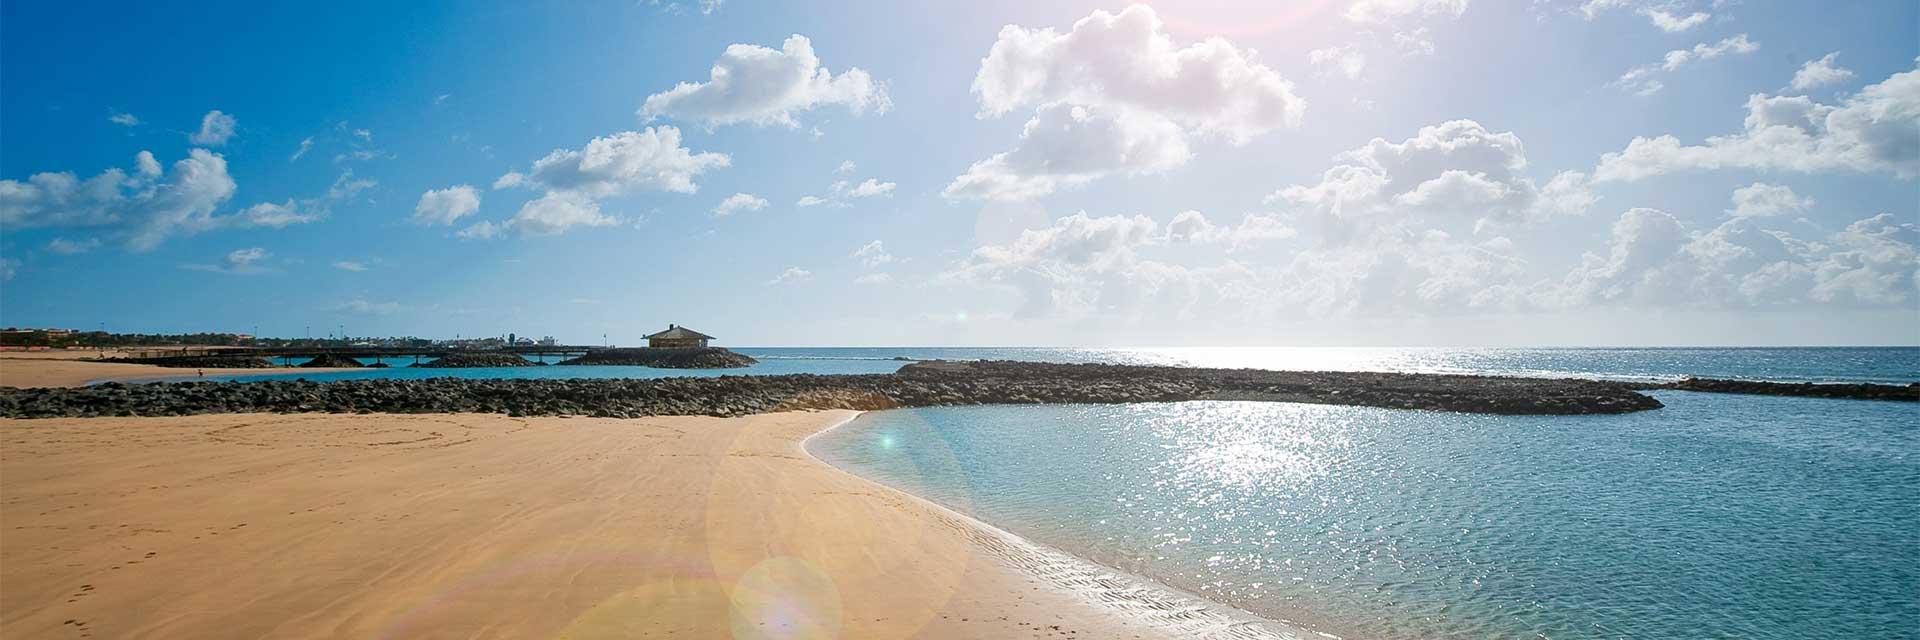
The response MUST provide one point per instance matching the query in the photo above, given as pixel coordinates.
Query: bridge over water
(288, 355)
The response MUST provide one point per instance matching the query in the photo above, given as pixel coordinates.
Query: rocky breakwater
(1017, 382)
(916, 385)
(331, 361)
(459, 360)
(693, 358)
(1853, 391)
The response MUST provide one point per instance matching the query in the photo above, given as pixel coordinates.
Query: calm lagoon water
(1864, 364)
(1719, 516)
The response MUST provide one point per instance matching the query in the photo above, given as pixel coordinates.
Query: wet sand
(38, 369)
(465, 525)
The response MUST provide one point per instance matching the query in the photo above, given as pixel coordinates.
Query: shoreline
(475, 525)
(1132, 595)
(50, 372)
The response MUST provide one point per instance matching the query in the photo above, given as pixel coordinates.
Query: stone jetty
(921, 384)
(687, 358)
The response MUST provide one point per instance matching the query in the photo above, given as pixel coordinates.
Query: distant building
(678, 337)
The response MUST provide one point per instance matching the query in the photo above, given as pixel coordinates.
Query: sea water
(1719, 516)
(1846, 364)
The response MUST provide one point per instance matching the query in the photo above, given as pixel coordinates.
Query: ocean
(1814, 364)
(1717, 516)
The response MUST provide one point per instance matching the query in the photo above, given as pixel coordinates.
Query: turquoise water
(1867, 364)
(1720, 516)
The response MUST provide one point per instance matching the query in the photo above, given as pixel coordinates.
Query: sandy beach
(35, 369)
(391, 526)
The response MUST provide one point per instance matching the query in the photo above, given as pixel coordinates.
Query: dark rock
(692, 358)
(331, 361)
(458, 360)
(1855, 391)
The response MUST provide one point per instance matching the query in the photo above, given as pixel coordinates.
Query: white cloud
(216, 129)
(846, 167)
(1373, 11)
(1456, 169)
(123, 119)
(1127, 62)
(275, 216)
(739, 202)
(445, 206)
(1068, 146)
(1418, 42)
(349, 265)
(67, 247)
(1761, 199)
(758, 85)
(557, 212)
(792, 274)
(151, 205)
(874, 279)
(9, 267)
(510, 180)
(1820, 73)
(1346, 60)
(238, 261)
(1193, 227)
(707, 7)
(871, 188)
(872, 254)
(1874, 131)
(1653, 259)
(305, 145)
(1670, 23)
(1642, 80)
(650, 160)
(811, 201)
(482, 230)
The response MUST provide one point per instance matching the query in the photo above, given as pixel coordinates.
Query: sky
(1341, 173)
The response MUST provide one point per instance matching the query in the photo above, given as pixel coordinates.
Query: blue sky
(1365, 172)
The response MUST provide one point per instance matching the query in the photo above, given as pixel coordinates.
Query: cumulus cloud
(146, 207)
(123, 119)
(556, 212)
(758, 85)
(1644, 79)
(1653, 259)
(629, 161)
(509, 180)
(1128, 62)
(872, 254)
(1456, 169)
(216, 129)
(1820, 73)
(482, 230)
(1347, 60)
(1115, 95)
(1070, 145)
(811, 201)
(739, 202)
(1193, 227)
(444, 206)
(1874, 131)
(1373, 11)
(791, 275)
(1418, 42)
(871, 188)
(1760, 199)
(1672, 23)
(846, 167)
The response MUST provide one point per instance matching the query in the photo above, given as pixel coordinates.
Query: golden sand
(62, 368)
(388, 526)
